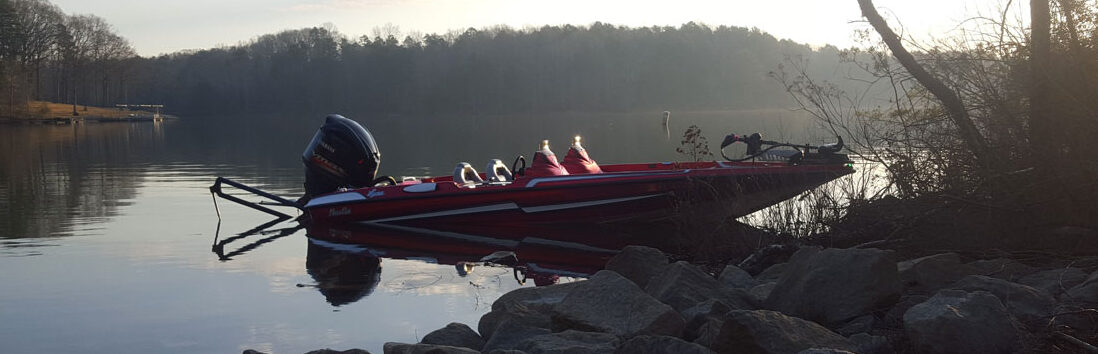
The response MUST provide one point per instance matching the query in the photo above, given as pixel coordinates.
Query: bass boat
(573, 201)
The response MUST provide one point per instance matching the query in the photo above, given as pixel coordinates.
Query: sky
(164, 26)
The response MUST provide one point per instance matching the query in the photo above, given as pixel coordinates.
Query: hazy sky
(162, 26)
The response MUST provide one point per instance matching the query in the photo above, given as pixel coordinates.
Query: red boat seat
(465, 174)
(545, 163)
(577, 161)
(498, 172)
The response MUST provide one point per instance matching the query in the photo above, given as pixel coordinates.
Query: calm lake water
(108, 231)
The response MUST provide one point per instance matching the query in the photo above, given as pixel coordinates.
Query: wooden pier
(134, 118)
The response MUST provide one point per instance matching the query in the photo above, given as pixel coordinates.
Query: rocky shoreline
(814, 300)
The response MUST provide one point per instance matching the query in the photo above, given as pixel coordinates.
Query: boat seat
(498, 172)
(465, 174)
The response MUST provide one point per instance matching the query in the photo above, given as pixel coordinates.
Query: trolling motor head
(342, 154)
(754, 142)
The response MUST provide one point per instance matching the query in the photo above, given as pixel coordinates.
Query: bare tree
(1040, 124)
(38, 21)
(948, 97)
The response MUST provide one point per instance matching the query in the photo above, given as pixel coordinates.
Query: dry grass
(50, 110)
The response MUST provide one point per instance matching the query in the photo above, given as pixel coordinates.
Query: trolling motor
(799, 155)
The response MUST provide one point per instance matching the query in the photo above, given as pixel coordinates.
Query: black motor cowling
(342, 154)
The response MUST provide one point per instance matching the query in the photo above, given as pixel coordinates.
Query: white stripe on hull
(510, 206)
(538, 209)
(344, 197)
(454, 235)
(473, 210)
(535, 181)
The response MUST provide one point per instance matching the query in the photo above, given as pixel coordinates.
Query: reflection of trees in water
(53, 175)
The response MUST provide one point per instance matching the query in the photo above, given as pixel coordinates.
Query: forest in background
(487, 71)
(46, 54)
(50, 56)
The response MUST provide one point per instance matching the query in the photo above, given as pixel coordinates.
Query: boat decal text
(339, 211)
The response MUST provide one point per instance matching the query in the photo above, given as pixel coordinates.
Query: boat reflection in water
(343, 273)
(346, 261)
(536, 260)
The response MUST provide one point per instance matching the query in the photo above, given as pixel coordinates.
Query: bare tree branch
(949, 98)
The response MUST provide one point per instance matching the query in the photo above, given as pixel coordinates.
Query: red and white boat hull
(602, 209)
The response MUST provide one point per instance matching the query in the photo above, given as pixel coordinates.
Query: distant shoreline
(61, 113)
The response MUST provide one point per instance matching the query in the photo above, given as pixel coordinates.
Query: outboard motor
(342, 155)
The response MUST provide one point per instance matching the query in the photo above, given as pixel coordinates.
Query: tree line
(46, 54)
(483, 71)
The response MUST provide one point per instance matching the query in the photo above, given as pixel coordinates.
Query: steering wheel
(517, 171)
(392, 181)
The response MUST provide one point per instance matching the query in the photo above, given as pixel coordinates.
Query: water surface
(109, 241)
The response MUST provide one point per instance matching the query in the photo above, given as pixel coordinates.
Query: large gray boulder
(759, 293)
(955, 321)
(518, 314)
(894, 318)
(661, 345)
(735, 278)
(698, 315)
(683, 285)
(929, 274)
(529, 307)
(405, 348)
(864, 343)
(1002, 268)
(768, 256)
(455, 335)
(570, 342)
(762, 331)
(707, 333)
(835, 285)
(510, 333)
(1029, 305)
(772, 274)
(638, 263)
(537, 298)
(1055, 281)
(1086, 292)
(859, 324)
(608, 302)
